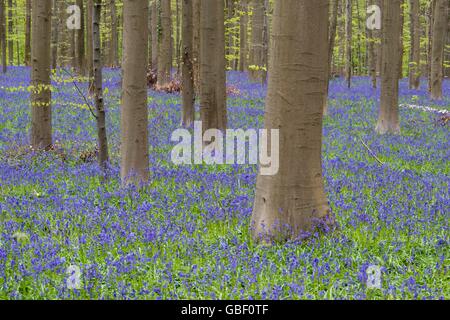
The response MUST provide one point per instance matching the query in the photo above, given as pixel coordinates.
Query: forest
(224, 149)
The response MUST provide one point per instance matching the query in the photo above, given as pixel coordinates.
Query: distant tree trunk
(348, 46)
(243, 36)
(378, 35)
(28, 33)
(63, 39)
(430, 15)
(188, 71)
(292, 202)
(178, 37)
(80, 54)
(10, 33)
(41, 111)
(414, 64)
(113, 41)
(439, 35)
(402, 22)
(447, 51)
(388, 120)
(155, 35)
(165, 58)
(256, 52)
(196, 44)
(55, 34)
(212, 69)
(331, 39)
(89, 45)
(3, 35)
(372, 58)
(103, 156)
(134, 111)
(229, 45)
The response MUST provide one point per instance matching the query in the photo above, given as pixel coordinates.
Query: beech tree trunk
(103, 156)
(292, 202)
(41, 111)
(212, 69)
(10, 33)
(165, 57)
(187, 67)
(196, 44)
(3, 34)
(414, 64)
(80, 49)
(440, 22)
(243, 35)
(388, 120)
(348, 46)
(257, 46)
(134, 112)
(28, 33)
(114, 39)
(372, 57)
(331, 39)
(89, 45)
(155, 35)
(55, 34)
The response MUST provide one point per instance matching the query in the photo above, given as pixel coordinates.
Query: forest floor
(186, 235)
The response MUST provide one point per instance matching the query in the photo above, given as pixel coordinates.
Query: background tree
(188, 71)
(388, 120)
(113, 41)
(440, 22)
(10, 33)
(256, 49)
(79, 43)
(243, 30)
(3, 35)
(289, 203)
(212, 69)
(134, 111)
(331, 39)
(155, 34)
(165, 56)
(41, 111)
(348, 45)
(414, 64)
(28, 32)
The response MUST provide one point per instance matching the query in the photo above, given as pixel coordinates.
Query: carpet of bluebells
(186, 234)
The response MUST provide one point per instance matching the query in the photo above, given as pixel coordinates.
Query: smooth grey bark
(187, 66)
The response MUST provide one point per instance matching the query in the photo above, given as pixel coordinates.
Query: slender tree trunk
(113, 41)
(80, 49)
(430, 14)
(212, 68)
(165, 57)
(256, 52)
(89, 45)
(3, 34)
(348, 46)
(331, 39)
(243, 36)
(41, 111)
(28, 33)
(196, 44)
(388, 120)
(414, 64)
(440, 22)
(10, 33)
(292, 202)
(155, 35)
(188, 71)
(372, 57)
(103, 156)
(134, 120)
(378, 35)
(55, 34)
(402, 22)
(178, 37)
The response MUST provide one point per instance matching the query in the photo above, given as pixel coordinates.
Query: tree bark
(257, 51)
(55, 34)
(41, 111)
(80, 49)
(103, 156)
(414, 64)
(3, 35)
(348, 46)
(28, 33)
(187, 67)
(388, 120)
(292, 203)
(89, 45)
(114, 40)
(212, 69)
(134, 112)
(439, 35)
(155, 35)
(165, 57)
(372, 57)
(196, 44)
(10, 33)
(402, 22)
(243, 30)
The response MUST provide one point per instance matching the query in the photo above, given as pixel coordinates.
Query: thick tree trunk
(348, 46)
(414, 64)
(378, 35)
(243, 36)
(114, 39)
(155, 35)
(439, 35)
(103, 156)
(28, 33)
(134, 112)
(41, 111)
(265, 53)
(165, 57)
(257, 50)
(212, 69)
(388, 120)
(331, 39)
(188, 71)
(292, 203)
(55, 34)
